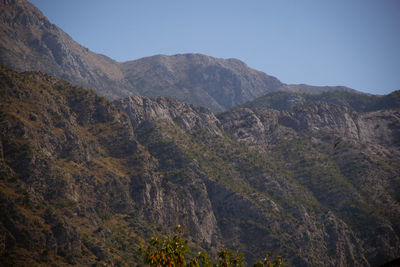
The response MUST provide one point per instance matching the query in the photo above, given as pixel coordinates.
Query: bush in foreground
(173, 251)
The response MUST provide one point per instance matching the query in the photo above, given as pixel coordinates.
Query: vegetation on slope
(354, 100)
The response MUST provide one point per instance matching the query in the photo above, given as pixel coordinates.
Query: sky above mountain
(353, 43)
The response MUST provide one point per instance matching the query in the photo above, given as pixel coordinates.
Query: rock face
(169, 111)
(328, 146)
(83, 180)
(246, 219)
(28, 41)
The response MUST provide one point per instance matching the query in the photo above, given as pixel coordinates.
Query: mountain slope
(81, 184)
(64, 152)
(84, 180)
(28, 41)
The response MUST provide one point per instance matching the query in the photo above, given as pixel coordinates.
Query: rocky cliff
(83, 180)
(343, 157)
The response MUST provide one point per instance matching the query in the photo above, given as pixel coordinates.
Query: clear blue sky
(319, 42)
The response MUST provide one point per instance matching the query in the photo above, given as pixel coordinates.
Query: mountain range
(30, 42)
(237, 157)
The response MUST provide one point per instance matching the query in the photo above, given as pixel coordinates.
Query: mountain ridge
(358, 102)
(30, 42)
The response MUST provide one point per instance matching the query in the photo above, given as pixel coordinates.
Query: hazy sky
(320, 42)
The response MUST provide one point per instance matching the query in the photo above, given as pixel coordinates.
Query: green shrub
(174, 251)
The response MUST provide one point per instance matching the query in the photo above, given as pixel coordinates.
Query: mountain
(84, 181)
(219, 84)
(28, 41)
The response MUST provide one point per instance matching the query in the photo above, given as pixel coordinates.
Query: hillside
(64, 152)
(83, 180)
